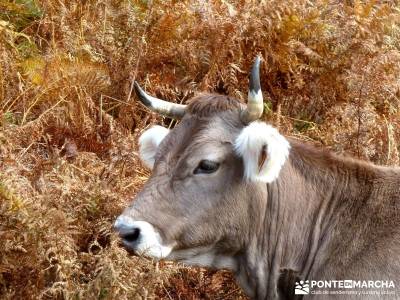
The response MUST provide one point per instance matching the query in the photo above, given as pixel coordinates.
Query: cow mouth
(128, 249)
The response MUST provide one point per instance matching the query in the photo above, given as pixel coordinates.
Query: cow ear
(148, 144)
(264, 151)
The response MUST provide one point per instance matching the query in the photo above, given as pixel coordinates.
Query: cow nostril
(132, 236)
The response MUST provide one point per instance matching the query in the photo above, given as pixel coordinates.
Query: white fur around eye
(148, 144)
(251, 142)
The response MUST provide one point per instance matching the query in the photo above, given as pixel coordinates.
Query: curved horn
(255, 105)
(168, 109)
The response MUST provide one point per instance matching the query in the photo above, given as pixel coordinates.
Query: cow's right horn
(255, 104)
(168, 109)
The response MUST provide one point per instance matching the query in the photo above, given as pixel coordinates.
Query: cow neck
(296, 224)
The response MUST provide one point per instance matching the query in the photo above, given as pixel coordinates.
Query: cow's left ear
(264, 151)
(148, 144)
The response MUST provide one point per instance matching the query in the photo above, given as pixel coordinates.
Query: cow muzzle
(141, 237)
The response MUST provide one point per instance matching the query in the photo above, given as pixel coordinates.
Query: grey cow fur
(326, 217)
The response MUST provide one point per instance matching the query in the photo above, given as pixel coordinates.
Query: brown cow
(228, 191)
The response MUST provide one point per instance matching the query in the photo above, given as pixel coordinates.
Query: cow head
(207, 175)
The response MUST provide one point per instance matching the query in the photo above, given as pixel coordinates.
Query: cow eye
(206, 167)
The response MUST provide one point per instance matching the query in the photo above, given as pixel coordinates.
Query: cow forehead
(221, 127)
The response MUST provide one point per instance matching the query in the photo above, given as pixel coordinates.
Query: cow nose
(141, 237)
(127, 229)
(132, 235)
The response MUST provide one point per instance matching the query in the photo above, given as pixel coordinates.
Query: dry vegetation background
(69, 120)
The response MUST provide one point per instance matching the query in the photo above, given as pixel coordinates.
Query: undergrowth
(69, 120)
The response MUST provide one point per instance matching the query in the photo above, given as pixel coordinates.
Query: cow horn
(168, 109)
(255, 105)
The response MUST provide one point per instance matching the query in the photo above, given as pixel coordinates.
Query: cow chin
(204, 257)
(141, 238)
